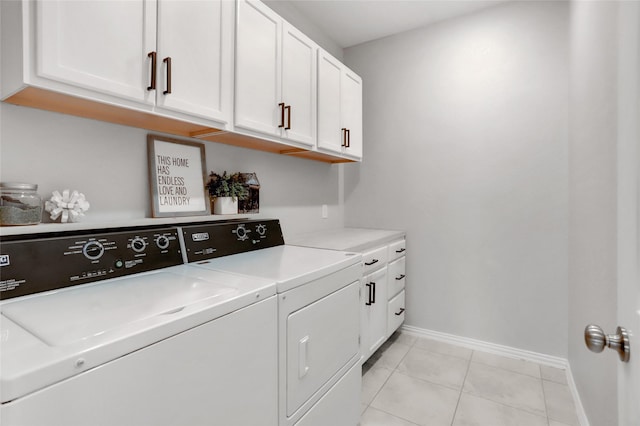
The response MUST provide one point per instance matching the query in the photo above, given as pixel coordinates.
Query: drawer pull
(400, 311)
(373, 262)
(402, 250)
(400, 277)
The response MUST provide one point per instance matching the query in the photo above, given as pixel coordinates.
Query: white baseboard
(507, 351)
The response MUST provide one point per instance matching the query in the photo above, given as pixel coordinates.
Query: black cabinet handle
(400, 312)
(344, 137)
(374, 261)
(400, 277)
(348, 145)
(369, 286)
(281, 105)
(373, 286)
(288, 108)
(153, 56)
(167, 61)
(401, 250)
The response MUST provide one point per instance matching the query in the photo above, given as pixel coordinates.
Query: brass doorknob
(596, 340)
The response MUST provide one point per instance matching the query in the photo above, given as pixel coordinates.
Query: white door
(196, 36)
(329, 113)
(98, 45)
(258, 68)
(299, 85)
(351, 99)
(629, 207)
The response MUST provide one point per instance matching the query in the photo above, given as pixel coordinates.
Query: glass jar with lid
(20, 204)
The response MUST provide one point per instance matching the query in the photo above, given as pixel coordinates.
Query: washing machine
(319, 380)
(111, 328)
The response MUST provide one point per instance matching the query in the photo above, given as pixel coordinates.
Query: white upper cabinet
(77, 43)
(275, 76)
(330, 135)
(227, 71)
(195, 43)
(174, 58)
(351, 108)
(299, 83)
(339, 107)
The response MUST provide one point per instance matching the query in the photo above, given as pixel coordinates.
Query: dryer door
(322, 338)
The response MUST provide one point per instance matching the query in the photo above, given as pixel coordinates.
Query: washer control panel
(213, 240)
(42, 263)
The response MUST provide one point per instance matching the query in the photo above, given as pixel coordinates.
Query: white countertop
(346, 239)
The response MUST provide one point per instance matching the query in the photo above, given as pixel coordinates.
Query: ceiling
(351, 22)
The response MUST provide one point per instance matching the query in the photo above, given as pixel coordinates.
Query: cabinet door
(197, 36)
(329, 115)
(351, 91)
(258, 68)
(98, 45)
(375, 297)
(299, 83)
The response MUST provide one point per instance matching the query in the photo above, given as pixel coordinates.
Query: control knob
(241, 232)
(138, 245)
(93, 250)
(261, 229)
(162, 242)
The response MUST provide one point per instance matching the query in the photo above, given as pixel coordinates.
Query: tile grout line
(385, 382)
(387, 379)
(544, 398)
(462, 387)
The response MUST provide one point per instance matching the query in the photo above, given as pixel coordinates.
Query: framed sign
(177, 173)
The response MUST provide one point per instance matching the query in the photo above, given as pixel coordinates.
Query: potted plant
(225, 191)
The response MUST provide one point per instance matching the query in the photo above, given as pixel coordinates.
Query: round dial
(261, 229)
(241, 233)
(162, 242)
(138, 245)
(93, 250)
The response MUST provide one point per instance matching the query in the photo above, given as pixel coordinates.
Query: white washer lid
(66, 317)
(52, 336)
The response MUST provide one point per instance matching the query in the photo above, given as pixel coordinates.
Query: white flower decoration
(69, 206)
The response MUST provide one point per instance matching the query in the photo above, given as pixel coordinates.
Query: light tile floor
(417, 381)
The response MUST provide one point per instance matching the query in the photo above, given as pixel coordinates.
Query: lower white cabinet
(374, 304)
(382, 295)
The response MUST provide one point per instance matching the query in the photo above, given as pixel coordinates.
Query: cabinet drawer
(395, 313)
(396, 273)
(374, 259)
(396, 250)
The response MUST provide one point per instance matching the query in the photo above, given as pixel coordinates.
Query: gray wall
(108, 163)
(466, 148)
(288, 10)
(592, 206)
